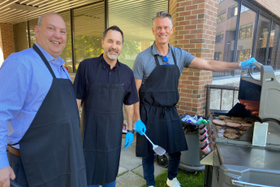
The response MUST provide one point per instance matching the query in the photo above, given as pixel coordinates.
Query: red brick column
(194, 24)
(7, 38)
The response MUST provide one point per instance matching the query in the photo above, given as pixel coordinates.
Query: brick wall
(194, 31)
(7, 38)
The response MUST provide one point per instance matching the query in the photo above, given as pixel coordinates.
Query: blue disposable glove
(128, 139)
(246, 64)
(140, 127)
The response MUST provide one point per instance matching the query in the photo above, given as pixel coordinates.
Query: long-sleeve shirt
(24, 84)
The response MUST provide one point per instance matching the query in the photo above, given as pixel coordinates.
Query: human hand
(6, 174)
(247, 63)
(140, 127)
(128, 139)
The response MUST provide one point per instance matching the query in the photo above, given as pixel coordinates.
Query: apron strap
(44, 59)
(175, 62)
(119, 72)
(48, 66)
(99, 70)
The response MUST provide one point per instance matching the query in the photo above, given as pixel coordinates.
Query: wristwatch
(131, 131)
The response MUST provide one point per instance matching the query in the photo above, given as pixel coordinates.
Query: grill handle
(246, 184)
(259, 66)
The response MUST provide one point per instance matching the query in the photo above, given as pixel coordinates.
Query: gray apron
(103, 120)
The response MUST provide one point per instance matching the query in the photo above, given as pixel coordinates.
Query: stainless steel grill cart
(254, 158)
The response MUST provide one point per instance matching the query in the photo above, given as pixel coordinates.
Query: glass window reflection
(245, 35)
(273, 59)
(262, 37)
(137, 27)
(67, 53)
(32, 24)
(88, 28)
(225, 38)
(21, 36)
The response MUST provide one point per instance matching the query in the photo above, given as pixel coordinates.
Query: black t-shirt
(86, 74)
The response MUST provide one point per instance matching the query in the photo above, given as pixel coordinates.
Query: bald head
(42, 16)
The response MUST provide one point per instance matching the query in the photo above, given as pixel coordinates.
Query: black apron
(51, 149)
(158, 97)
(103, 120)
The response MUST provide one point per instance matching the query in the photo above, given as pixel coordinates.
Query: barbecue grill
(253, 158)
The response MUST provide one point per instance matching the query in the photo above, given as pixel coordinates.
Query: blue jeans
(111, 184)
(148, 167)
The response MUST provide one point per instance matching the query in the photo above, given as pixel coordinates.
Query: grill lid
(266, 90)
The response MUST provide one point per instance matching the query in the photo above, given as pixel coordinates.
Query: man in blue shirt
(39, 121)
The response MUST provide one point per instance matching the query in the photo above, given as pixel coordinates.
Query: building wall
(271, 5)
(194, 31)
(7, 39)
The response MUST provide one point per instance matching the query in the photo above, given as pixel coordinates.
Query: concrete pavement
(131, 170)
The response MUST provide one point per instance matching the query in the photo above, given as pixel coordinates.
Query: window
(219, 37)
(243, 55)
(67, 52)
(262, 37)
(225, 38)
(88, 29)
(246, 31)
(137, 27)
(236, 44)
(218, 56)
(277, 60)
(245, 36)
(244, 9)
(220, 1)
(221, 17)
(232, 11)
(32, 24)
(21, 36)
(272, 58)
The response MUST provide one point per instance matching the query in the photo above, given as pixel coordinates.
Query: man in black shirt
(103, 85)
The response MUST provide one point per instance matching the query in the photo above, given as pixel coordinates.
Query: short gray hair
(41, 18)
(163, 14)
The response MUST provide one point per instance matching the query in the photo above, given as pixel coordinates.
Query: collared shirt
(86, 74)
(145, 62)
(24, 83)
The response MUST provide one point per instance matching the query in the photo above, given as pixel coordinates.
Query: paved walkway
(131, 170)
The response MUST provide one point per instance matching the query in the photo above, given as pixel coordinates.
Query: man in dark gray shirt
(157, 71)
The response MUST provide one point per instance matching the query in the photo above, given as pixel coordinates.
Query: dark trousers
(16, 164)
(148, 167)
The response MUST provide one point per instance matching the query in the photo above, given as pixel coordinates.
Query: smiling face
(162, 30)
(112, 45)
(51, 36)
